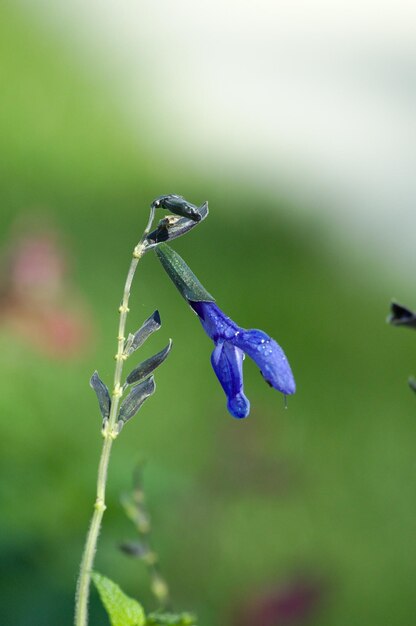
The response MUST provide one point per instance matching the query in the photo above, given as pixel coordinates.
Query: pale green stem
(110, 432)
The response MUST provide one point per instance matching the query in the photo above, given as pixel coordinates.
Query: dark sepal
(178, 206)
(182, 276)
(172, 227)
(147, 367)
(401, 316)
(103, 395)
(132, 403)
(148, 327)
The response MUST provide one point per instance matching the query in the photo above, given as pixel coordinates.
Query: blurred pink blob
(38, 267)
(37, 300)
(292, 603)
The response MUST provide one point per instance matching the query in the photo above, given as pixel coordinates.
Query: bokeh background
(295, 122)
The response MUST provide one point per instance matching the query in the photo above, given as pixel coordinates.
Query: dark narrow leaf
(170, 228)
(182, 276)
(401, 316)
(148, 327)
(103, 395)
(147, 367)
(136, 397)
(178, 206)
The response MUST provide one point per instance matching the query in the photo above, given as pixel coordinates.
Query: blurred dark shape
(401, 316)
(135, 549)
(293, 603)
(412, 383)
(37, 301)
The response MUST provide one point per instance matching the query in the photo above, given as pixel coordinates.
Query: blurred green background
(320, 497)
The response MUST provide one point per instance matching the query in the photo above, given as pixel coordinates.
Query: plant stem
(109, 432)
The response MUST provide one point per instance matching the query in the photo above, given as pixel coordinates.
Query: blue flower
(231, 343)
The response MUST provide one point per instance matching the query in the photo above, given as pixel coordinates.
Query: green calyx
(182, 276)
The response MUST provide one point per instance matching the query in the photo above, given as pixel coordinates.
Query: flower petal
(227, 362)
(216, 323)
(269, 357)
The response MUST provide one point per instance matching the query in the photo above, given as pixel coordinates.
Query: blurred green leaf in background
(323, 493)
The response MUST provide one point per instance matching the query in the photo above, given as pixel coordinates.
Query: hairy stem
(110, 432)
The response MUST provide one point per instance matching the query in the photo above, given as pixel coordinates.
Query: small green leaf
(135, 399)
(147, 367)
(122, 610)
(182, 276)
(171, 619)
